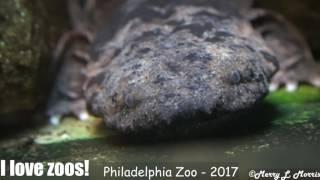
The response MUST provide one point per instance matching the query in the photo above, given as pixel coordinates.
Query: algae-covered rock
(18, 59)
(24, 51)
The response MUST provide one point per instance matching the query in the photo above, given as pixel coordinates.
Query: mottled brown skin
(297, 64)
(161, 63)
(71, 58)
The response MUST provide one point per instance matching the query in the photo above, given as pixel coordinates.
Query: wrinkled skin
(156, 64)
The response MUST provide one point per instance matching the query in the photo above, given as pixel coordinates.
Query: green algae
(71, 130)
(294, 108)
(305, 94)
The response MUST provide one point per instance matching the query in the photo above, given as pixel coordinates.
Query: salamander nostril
(235, 77)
